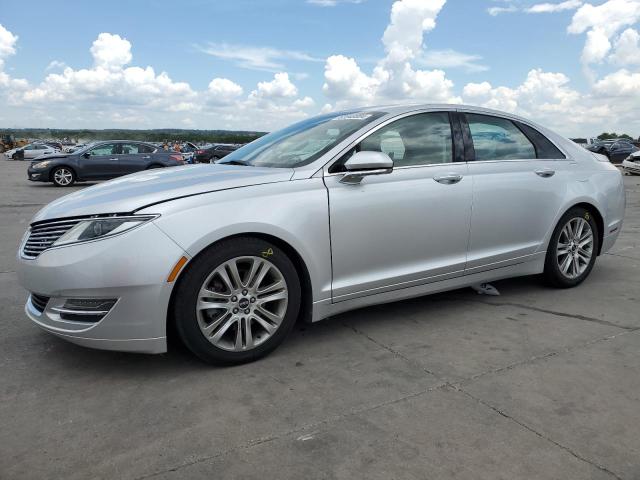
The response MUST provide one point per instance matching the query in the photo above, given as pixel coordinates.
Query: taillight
(199, 152)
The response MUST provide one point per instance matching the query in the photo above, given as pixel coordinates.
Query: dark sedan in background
(101, 161)
(214, 153)
(616, 150)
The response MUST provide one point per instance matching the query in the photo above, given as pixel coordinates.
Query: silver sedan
(333, 213)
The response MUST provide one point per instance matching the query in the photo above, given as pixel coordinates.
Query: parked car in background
(615, 150)
(631, 164)
(337, 212)
(214, 153)
(101, 161)
(620, 150)
(56, 145)
(31, 151)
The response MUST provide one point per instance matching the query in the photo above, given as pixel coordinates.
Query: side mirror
(362, 164)
(86, 154)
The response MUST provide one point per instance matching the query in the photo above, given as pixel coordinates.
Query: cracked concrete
(536, 383)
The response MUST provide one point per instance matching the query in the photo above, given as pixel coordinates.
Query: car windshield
(302, 142)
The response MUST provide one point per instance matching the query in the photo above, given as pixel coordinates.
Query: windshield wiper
(236, 162)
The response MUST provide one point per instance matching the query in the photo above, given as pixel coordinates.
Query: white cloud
(279, 87)
(393, 78)
(56, 65)
(223, 91)
(452, 59)
(627, 48)
(554, 7)
(7, 45)
(255, 58)
(495, 11)
(620, 84)
(602, 23)
(111, 52)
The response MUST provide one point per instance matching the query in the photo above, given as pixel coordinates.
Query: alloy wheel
(242, 303)
(63, 176)
(575, 247)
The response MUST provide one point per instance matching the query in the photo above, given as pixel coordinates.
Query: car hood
(132, 192)
(49, 156)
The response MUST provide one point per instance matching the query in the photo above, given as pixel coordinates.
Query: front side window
(106, 149)
(497, 138)
(421, 139)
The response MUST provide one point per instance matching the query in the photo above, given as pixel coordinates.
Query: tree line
(153, 135)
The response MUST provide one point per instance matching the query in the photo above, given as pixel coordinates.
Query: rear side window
(544, 148)
(497, 138)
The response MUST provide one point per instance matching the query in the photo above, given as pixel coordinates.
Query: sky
(572, 65)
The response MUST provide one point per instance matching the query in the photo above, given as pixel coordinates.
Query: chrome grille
(39, 302)
(44, 234)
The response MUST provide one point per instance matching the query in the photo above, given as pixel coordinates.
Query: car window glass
(107, 149)
(497, 138)
(545, 149)
(420, 139)
(145, 148)
(129, 148)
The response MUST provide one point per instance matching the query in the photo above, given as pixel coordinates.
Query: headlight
(96, 228)
(41, 165)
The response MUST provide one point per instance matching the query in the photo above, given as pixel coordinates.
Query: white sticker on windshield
(353, 116)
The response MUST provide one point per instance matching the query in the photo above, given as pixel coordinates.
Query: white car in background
(33, 150)
(631, 164)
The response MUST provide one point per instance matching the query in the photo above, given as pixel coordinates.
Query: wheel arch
(597, 216)
(306, 304)
(70, 167)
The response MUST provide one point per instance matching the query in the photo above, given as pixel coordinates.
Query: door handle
(448, 179)
(545, 173)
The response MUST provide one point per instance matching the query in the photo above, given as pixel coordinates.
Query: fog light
(85, 309)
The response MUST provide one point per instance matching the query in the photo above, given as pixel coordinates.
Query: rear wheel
(237, 302)
(572, 250)
(63, 177)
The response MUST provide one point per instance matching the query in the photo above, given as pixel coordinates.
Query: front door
(405, 228)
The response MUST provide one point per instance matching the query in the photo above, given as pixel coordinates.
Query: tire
(214, 159)
(566, 263)
(63, 177)
(243, 328)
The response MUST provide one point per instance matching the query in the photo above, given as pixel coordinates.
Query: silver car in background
(333, 213)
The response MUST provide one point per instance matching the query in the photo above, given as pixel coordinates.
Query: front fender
(295, 212)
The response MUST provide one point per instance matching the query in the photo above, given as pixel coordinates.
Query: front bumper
(132, 268)
(41, 175)
(631, 167)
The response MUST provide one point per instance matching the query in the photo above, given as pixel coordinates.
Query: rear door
(134, 157)
(519, 180)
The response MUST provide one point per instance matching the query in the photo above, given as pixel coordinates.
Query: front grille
(44, 234)
(39, 302)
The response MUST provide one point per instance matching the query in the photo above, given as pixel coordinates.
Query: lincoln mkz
(330, 214)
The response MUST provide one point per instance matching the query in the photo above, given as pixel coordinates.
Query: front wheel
(237, 301)
(572, 250)
(63, 177)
